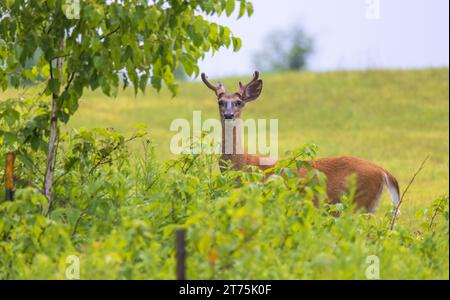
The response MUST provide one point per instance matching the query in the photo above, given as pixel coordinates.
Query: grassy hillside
(393, 118)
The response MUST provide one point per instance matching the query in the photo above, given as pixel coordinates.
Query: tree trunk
(54, 132)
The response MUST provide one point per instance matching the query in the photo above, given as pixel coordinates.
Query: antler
(243, 87)
(218, 89)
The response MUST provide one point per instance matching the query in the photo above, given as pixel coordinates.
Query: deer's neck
(232, 147)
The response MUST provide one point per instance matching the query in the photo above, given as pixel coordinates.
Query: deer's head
(231, 105)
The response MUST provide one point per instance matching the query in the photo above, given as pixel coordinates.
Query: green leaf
(250, 9)
(53, 85)
(289, 172)
(11, 116)
(188, 64)
(143, 81)
(299, 164)
(73, 214)
(15, 81)
(168, 76)
(204, 243)
(156, 82)
(45, 71)
(9, 137)
(237, 44)
(174, 89)
(213, 31)
(242, 9)
(41, 220)
(229, 7)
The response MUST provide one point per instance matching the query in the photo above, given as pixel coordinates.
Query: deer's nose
(228, 116)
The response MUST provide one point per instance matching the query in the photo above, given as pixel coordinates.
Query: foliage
(23, 128)
(287, 50)
(148, 40)
(75, 45)
(120, 221)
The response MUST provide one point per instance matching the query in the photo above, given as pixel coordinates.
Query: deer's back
(369, 178)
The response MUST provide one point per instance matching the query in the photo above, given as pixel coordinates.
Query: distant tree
(285, 50)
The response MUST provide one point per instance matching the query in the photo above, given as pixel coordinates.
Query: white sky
(407, 34)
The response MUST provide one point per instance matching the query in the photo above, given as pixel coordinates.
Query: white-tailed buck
(370, 178)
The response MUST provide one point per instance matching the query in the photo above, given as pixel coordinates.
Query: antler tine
(218, 88)
(242, 87)
(209, 84)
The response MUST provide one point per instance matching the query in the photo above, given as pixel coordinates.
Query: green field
(393, 118)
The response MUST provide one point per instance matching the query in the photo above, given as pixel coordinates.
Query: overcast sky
(349, 34)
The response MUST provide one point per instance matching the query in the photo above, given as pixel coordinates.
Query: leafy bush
(118, 213)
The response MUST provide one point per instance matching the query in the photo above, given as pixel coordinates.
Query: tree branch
(436, 210)
(60, 56)
(53, 137)
(72, 75)
(394, 217)
(109, 33)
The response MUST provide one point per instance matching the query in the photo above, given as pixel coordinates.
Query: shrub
(118, 213)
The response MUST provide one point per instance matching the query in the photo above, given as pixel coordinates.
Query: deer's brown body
(370, 178)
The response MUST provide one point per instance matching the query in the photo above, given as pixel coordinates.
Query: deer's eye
(221, 103)
(238, 103)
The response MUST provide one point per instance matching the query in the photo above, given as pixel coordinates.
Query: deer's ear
(252, 91)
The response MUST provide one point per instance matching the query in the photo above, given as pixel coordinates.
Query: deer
(370, 178)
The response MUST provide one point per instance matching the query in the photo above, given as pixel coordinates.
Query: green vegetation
(66, 47)
(393, 118)
(119, 197)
